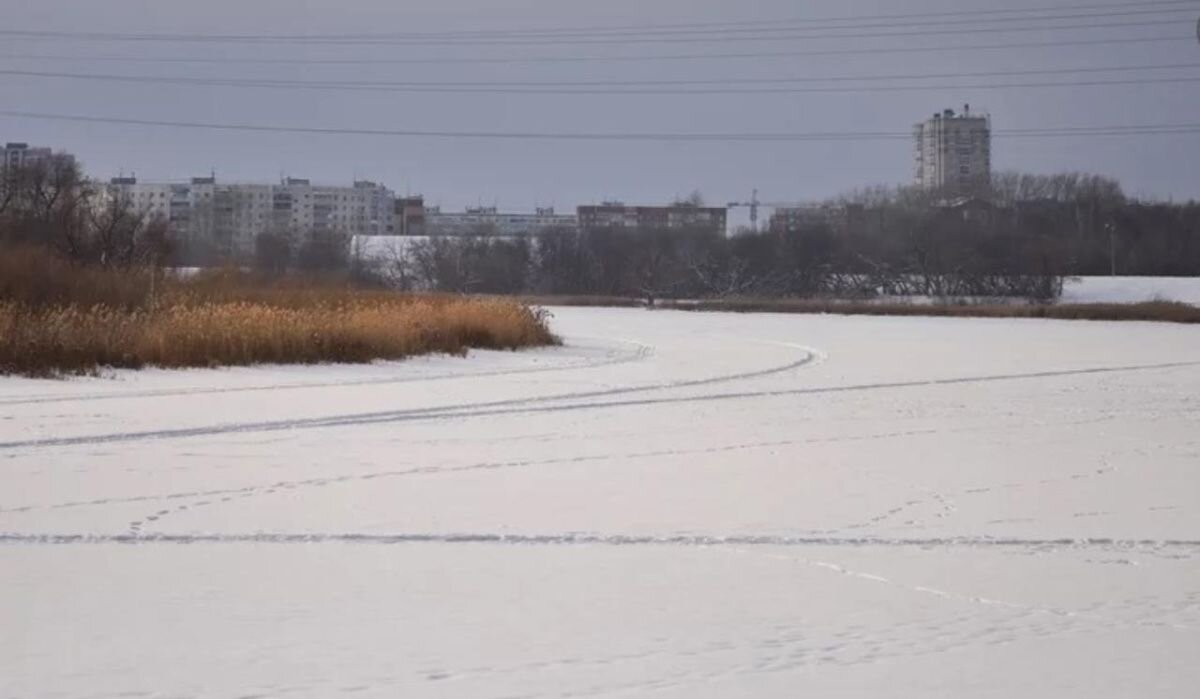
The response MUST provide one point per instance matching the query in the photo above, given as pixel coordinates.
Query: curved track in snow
(457, 410)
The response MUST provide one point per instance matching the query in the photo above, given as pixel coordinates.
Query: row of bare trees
(1021, 240)
(1097, 228)
(48, 202)
(677, 263)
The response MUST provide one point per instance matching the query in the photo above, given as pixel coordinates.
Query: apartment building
(21, 154)
(954, 153)
(15, 156)
(228, 217)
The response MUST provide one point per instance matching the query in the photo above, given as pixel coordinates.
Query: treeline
(1095, 227)
(1021, 240)
(678, 263)
(49, 203)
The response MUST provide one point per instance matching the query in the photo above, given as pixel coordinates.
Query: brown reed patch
(56, 318)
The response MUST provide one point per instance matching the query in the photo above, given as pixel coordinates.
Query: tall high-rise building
(954, 153)
(17, 155)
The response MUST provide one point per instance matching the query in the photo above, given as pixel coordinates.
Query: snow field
(672, 505)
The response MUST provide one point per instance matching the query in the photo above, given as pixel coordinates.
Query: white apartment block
(954, 152)
(487, 220)
(230, 216)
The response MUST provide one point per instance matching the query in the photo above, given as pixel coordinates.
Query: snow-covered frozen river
(671, 505)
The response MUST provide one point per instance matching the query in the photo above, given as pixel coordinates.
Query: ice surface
(671, 505)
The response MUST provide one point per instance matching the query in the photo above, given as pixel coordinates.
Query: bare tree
(119, 234)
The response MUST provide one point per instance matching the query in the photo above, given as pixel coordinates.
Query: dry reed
(77, 320)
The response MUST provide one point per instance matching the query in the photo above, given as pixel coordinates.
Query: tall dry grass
(34, 277)
(78, 320)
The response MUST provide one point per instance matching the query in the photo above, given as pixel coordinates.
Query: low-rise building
(487, 220)
(613, 214)
(793, 219)
(409, 216)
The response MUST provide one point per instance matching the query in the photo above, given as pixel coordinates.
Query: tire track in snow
(640, 352)
(529, 405)
(614, 540)
(464, 410)
(480, 466)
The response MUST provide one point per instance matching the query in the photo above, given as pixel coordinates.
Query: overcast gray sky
(519, 175)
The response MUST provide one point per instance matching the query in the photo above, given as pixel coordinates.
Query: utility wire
(543, 41)
(941, 48)
(772, 28)
(942, 17)
(1046, 132)
(651, 88)
(257, 82)
(945, 17)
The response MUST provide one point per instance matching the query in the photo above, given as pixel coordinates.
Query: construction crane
(754, 204)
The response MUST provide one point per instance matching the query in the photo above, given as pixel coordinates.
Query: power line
(1047, 132)
(943, 17)
(941, 48)
(769, 28)
(850, 22)
(366, 41)
(651, 88)
(1034, 12)
(256, 82)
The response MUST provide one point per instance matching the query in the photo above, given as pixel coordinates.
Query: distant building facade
(609, 215)
(409, 216)
(21, 154)
(793, 219)
(16, 156)
(487, 220)
(954, 153)
(230, 216)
